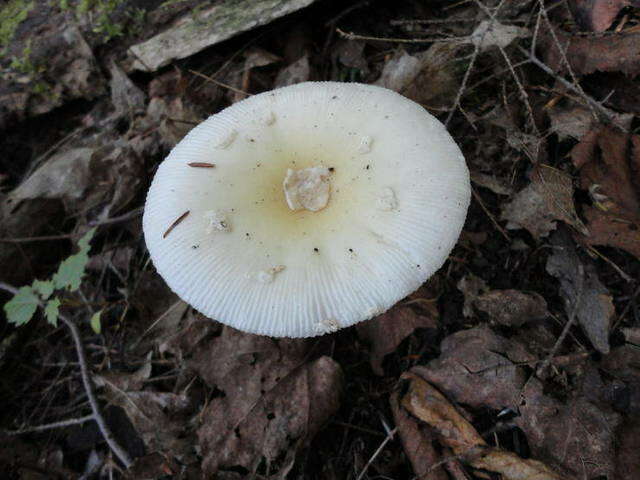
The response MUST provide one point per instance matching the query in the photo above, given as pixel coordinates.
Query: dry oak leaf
(385, 332)
(611, 53)
(577, 433)
(417, 443)
(548, 198)
(596, 15)
(609, 164)
(582, 291)
(479, 369)
(512, 307)
(270, 400)
(426, 403)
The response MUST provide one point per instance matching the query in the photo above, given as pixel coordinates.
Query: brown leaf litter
(427, 404)
(480, 369)
(385, 332)
(609, 165)
(512, 307)
(618, 52)
(417, 443)
(548, 198)
(427, 77)
(583, 294)
(596, 15)
(271, 399)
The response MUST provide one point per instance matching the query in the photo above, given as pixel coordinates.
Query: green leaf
(51, 311)
(22, 306)
(43, 287)
(95, 322)
(70, 271)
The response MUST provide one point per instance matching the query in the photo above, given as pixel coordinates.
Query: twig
(377, 452)
(219, 83)
(354, 36)
(463, 85)
(44, 238)
(565, 60)
(493, 220)
(523, 92)
(50, 426)
(136, 212)
(121, 453)
(543, 66)
(97, 414)
(570, 322)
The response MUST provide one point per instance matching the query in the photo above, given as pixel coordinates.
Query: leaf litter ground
(519, 359)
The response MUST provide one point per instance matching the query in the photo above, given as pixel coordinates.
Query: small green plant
(12, 14)
(23, 305)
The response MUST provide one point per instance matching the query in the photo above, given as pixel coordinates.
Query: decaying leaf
(126, 97)
(615, 53)
(609, 163)
(272, 401)
(385, 332)
(512, 307)
(548, 198)
(417, 443)
(577, 433)
(471, 287)
(627, 465)
(490, 33)
(596, 15)
(573, 120)
(582, 291)
(298, 72)
(478, 368)
(427, 77)
(429, 405)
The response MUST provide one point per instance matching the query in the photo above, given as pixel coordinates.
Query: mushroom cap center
(307, 188)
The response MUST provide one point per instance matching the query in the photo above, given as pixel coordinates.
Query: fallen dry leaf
(574, 120)
(478, 368)
(298, 72)
(609, 164)
(548, 198)
(270, 400)
(427, 77)
(426, 403)
(471, 287)
(512, 307)
(385, 332)
(490, 33)
(627, 465)
(596, 15)
(611, 53)
(581, 291)
(126, 97)
(578, 432)
(417, 443)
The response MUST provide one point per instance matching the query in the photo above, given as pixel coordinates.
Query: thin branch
(543, 66)
(44, 238)
(219, 83)
(50, 426)
(570, 322)
(377, 452)
(136, 212)
(354, 36)
(120, 452)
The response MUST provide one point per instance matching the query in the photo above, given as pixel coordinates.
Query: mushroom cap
(399, 193)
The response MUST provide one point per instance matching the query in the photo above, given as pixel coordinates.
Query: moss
(11, 16)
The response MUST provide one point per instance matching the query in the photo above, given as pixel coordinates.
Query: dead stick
(115, 447)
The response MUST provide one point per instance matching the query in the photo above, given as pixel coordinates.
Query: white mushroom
(348, 198)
